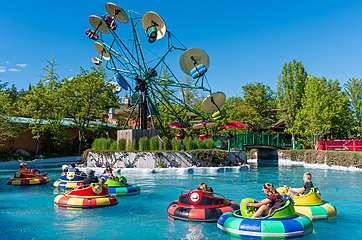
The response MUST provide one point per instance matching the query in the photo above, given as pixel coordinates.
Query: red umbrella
(203, 124)
(176, 125)
(235, 124)
(240, 125)
(228, 125)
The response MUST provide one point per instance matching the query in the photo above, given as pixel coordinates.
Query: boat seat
(281, 206)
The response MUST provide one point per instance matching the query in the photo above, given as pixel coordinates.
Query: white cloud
(7, 62)
(2, 67)
(2, 70)
(14, 70)
(22, 65)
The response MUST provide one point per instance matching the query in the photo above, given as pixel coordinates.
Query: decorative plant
(176, 145)
(154, 143)
(165, 143)
(122, 144)
(144, 144)
(132, 146)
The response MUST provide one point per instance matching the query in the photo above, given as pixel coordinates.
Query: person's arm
(297, 190)
(258, 204)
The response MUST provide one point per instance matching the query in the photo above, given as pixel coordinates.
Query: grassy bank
(339, 158)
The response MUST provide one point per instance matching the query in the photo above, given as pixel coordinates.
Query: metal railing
(252, 138)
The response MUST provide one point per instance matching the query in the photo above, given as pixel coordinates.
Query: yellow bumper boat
(312, 205)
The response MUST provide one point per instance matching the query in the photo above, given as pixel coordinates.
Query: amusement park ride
(147, 76)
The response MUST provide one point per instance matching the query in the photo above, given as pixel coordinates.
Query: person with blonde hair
(202, 186)
(264, 206)
(308, 185)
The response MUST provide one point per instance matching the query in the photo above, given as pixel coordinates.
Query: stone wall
(156, 159)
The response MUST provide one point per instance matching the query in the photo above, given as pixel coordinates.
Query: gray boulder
(23, 153)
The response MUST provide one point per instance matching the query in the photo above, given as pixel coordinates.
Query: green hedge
(122, 144)
(102, 144)
(154, 143)
(338, 158)
(144, 144)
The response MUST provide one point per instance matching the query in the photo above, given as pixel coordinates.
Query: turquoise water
(29, 213)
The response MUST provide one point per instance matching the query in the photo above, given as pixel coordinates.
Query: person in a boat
(109, 172)
(23, 168)
(65, 168)
(90, 178)
(308, 185)
(72, 168)
(205, 189)
(264, 206)
(202, 186)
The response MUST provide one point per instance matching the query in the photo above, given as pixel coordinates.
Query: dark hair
(270, 188)
(308, 174)
(73, 165)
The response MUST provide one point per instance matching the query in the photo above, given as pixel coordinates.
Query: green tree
(259, 104)
(235, 111)
(290, 93)
(41, 104)
(353, 89)
(7, 128)
(86, 97)
(324, 111)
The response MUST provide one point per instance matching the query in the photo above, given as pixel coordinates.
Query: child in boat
(308, 185)
(264, 206)
(23, 168)
(109, 172)
(202, 186)
(72, 168)
(65, 168)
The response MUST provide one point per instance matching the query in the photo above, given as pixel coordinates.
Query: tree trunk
(37, 146)
(80, 138)
(293, 140)
(315, 141)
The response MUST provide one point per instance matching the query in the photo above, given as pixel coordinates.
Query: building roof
(66, 122)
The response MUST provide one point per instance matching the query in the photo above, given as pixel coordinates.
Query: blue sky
(247, 41)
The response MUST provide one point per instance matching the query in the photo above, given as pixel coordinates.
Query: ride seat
(283, 209)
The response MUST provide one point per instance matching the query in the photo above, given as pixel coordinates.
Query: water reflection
(194, 231)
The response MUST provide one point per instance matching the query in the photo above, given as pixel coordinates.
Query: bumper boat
(120, 187)
(28, 177)
(94, 196)
(312, 205)
(196, 205)
(69, 180)
(280, 223)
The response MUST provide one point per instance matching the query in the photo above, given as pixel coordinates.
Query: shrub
(200, 144)
(176, 145)
(208, 143)
(154, 144)
(122, 144)
(165, 144)
(212, 157)
(132, 146)
(101, 144)
(161, 164)
(113, 145)
(189, 144)
(144, 144)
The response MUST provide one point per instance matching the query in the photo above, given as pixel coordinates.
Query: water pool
(29, 213)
